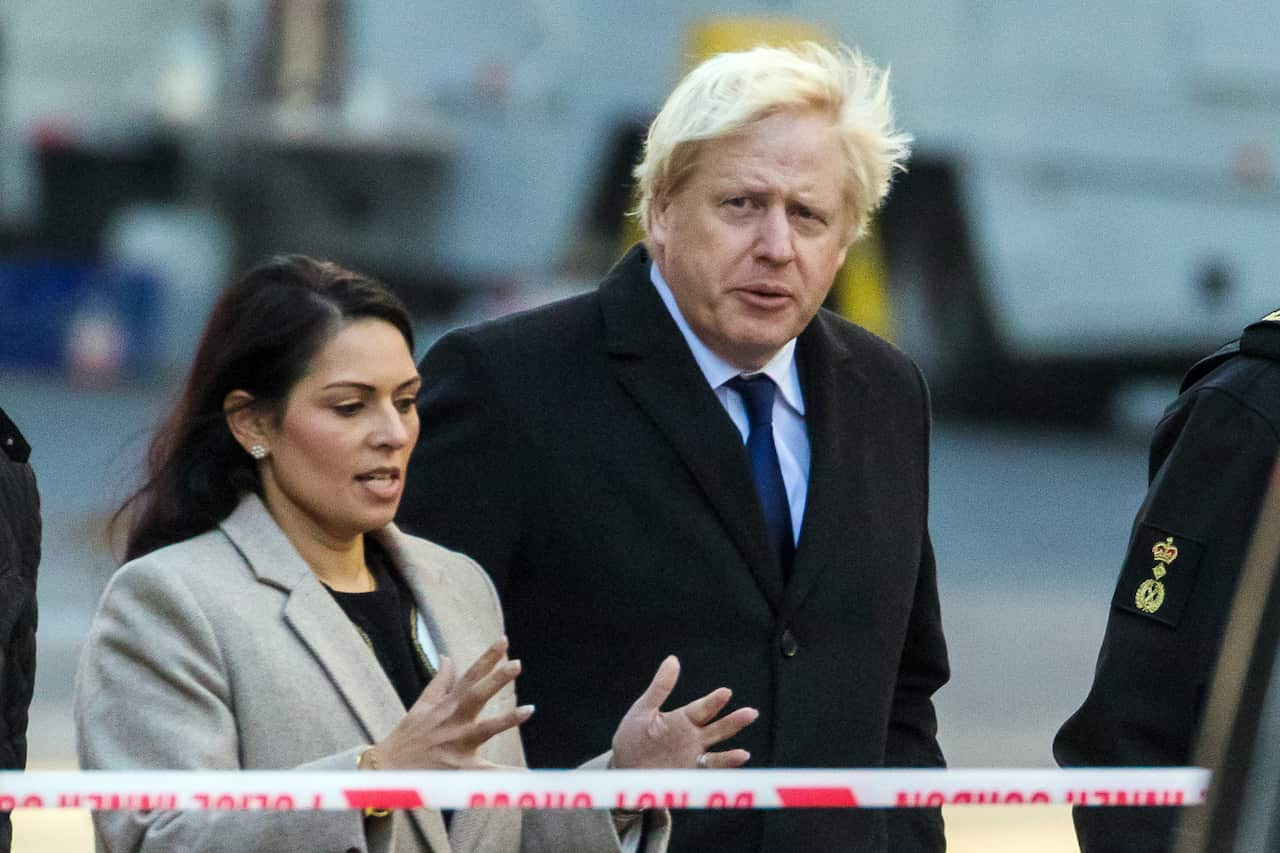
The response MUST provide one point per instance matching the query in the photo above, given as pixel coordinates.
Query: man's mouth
(765, 295)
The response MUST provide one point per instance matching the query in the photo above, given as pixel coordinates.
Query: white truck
(1093, 193)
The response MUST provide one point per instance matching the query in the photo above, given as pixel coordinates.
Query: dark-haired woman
(271, 616)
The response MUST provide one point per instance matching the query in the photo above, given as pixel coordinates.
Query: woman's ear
(247, 423)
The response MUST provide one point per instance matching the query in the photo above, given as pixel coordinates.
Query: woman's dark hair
(261, 336)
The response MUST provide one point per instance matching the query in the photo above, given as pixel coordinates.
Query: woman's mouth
(383, 483)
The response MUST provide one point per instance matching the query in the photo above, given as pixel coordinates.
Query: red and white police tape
(600, 789)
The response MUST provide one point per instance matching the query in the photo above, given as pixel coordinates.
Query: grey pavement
(1030, 528)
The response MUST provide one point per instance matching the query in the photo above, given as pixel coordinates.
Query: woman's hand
(650, 737)
(442, 730)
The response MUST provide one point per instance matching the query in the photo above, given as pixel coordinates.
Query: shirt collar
(781, 368)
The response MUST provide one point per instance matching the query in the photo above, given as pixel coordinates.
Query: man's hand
(650, 737)
(442, 730)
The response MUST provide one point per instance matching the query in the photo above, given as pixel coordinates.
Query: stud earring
(258, 451)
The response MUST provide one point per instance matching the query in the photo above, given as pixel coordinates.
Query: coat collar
(839, 404)
(654, 364)
(452, 621)
(12, 444)
(326, 631)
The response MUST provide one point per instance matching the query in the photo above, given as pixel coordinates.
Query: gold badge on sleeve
(1158, 590)
(1150, 593)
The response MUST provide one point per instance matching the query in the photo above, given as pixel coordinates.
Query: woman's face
(338, 454)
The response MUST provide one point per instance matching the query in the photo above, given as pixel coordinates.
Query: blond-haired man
(697, 459)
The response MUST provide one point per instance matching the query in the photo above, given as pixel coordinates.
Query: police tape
(599, 789)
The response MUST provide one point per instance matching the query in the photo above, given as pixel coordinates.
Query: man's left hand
(682, 738)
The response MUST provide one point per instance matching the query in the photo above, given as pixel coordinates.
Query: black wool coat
(579, 455)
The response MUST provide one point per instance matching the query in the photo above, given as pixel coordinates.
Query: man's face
(752, 241)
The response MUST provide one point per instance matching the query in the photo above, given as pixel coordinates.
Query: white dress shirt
(789, 434)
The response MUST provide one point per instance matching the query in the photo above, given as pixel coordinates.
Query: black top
(385, 618)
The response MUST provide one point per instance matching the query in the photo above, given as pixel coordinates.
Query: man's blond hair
(731, 91)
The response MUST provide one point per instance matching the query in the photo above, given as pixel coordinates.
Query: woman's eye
(405, 405)
(347, 409)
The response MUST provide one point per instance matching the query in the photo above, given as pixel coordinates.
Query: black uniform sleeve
(19, 558)
(463, 481)
(1211, 459)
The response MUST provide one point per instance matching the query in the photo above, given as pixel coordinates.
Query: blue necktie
(757, 393)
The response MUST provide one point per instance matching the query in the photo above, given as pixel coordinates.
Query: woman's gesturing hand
(651, 737)
(442, 731)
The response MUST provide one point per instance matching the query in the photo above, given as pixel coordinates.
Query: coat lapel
(653, 363)
(454, 629)
(325, 630)
(837, 405)
(316, 618)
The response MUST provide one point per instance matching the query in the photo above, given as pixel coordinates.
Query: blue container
(40, 297)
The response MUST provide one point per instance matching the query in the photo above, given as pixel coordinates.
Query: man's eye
(738, 201)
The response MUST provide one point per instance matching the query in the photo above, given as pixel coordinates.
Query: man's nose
(775, 240)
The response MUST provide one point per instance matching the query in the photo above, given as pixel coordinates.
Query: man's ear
(844, 253)
(246, 420)
(658, 226)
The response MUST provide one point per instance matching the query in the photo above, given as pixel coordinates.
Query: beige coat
(224, 652)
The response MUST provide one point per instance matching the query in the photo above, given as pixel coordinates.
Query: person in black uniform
(1211, 459)
(19, 557)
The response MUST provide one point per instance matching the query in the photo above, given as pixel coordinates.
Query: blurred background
(1092, 203)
